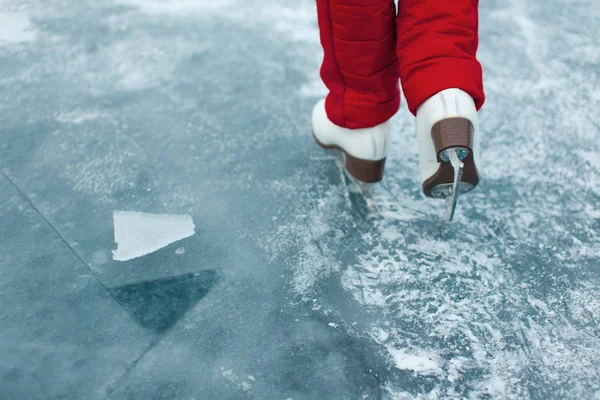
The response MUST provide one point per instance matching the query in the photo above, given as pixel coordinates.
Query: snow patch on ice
(16, 28)
(423, 363)
(138, 233)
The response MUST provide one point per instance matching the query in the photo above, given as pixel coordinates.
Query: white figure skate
(448, 146)
(365, 150)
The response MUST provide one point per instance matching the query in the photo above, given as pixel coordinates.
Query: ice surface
(293, 286)
(138, 233)
(61, 333)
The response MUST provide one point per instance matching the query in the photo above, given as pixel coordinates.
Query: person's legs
(442, 83)
(360, 64)
(437, 44)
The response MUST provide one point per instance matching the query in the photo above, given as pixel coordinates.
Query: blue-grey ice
(138, 234)
(295, 284)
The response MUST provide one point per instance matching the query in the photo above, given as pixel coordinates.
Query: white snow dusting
(424, 363)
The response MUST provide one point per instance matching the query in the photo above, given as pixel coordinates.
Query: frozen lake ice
(289, 284)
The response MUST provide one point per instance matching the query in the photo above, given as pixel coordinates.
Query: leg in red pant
(360, 65)
(442, 82)
(360, 68)
(436, 42)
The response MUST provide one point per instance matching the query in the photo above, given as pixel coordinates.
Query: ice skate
(448, 146)
(364, 150)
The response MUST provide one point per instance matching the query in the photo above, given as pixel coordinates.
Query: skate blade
(363, 188)
(455, 190)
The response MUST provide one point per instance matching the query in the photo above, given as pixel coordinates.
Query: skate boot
(448, 132)
(364, 150)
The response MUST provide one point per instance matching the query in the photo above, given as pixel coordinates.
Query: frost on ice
(138, 234)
